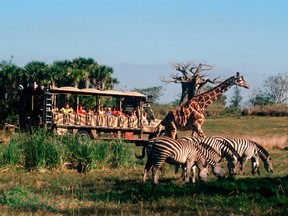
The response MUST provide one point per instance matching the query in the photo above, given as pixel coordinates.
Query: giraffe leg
(200, 132)
(193, 134)
(198, 126)
(159, 130)
(171, 130)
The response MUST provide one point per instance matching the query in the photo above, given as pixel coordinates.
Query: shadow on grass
(271, 192)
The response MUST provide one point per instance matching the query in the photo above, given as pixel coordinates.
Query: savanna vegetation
(43, 174)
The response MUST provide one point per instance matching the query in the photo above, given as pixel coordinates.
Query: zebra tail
(140, 157)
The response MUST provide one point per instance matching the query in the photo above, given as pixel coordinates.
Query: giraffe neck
(212, 95)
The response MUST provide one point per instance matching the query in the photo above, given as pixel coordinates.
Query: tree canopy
(79, 72)
(275, 91)
(154, 92)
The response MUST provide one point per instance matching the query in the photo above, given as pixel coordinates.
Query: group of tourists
(102, 111)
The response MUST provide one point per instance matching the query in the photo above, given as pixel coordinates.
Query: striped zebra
(208, 154)
(265, 157)
(224, 149)
(246, 149)
(261, 152)
(175, 152)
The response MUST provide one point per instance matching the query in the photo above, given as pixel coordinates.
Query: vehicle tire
(83, 135)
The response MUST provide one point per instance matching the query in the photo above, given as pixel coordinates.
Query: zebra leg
(156, 167)
(189, 165)
(183, 170)
(255, 165)
(232, 166)
(193, 173)
(177, 168)
(154, 175)
(147, 168)
(242, 164)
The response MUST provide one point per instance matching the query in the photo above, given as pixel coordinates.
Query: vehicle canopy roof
(92, 91)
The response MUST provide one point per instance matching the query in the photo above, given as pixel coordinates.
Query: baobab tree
(192, 80)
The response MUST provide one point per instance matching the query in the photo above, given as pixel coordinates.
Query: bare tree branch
(192, 80)
(176, 79)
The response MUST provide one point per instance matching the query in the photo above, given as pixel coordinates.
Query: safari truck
(41, 107)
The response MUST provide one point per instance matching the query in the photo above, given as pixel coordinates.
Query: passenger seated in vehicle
(120, 112)
(67, 109)
(81, 110)
(133, 113)
(114, 111)
(109, 111)
(95, 111)
(144, 118)
(102, 111)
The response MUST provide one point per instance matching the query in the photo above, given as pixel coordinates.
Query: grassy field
(108, 191)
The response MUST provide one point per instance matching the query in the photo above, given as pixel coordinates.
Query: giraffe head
(239, 81)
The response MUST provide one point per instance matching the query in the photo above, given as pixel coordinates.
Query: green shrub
(83, 156)
(79, 152)
(41, 150)
(12, 154)
(45, 150)
(100, 154)
(12, 119)
(17, 197)
(121, 155)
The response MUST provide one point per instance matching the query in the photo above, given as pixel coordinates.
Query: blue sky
(142, 39)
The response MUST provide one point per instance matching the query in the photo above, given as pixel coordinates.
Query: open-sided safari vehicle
(43, 107)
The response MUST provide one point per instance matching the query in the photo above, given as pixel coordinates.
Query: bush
(100, 154)
(161, 110)
(12, 154)
(45, 150)
(121, 156)
(41, 150)
(269, 110)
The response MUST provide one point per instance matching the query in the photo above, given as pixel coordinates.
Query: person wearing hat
(109, 111)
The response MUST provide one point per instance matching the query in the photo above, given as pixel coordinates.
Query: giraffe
(190, 116)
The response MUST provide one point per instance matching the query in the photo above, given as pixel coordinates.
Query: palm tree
(59, 72)
(81, 69)
(10, 77)
(38, 72)
(102, 78)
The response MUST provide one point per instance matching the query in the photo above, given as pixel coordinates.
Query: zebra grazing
(175, 152)
(210, 155)
(224, 149)
(246, 149)
(265, 157)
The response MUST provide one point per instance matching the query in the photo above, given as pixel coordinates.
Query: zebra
(246, 149)
(175, 152)
(224, 149)
(265, 157)
(210, 155)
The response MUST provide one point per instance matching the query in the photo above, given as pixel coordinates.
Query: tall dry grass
(270, 142)
(269, 110)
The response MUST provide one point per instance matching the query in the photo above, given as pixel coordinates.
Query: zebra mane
(226, 142)
(261, 150)
(206, 147)
(209, 149)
